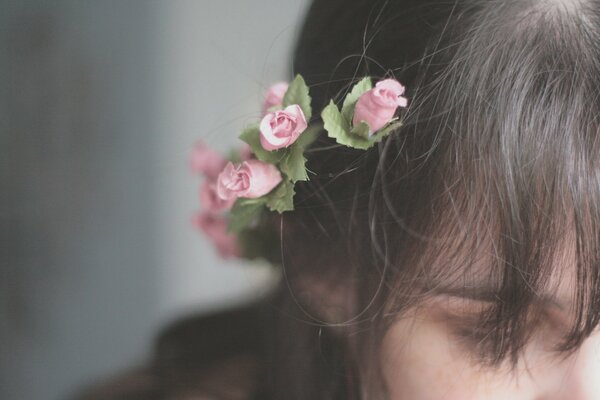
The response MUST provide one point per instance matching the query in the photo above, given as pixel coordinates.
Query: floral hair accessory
(262, 175)
(250, 180)
(280, 129)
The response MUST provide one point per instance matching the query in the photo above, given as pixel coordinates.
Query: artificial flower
(377, 106)
(205, 161)
(215, 227)
(211, 201)
(280, 129)
(251, 179)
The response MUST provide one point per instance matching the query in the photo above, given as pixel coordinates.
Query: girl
(457, 259)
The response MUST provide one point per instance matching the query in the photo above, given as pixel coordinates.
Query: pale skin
(423, 357)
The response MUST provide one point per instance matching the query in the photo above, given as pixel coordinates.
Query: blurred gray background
(101, 102)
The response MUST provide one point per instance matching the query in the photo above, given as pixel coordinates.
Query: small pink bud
(281, 128)
(206, 161)
(377, 106)
(215, 227)
(274, 96)
(211, 201)
(250, 179)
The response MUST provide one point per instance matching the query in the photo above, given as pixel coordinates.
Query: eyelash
(470, 334)
(472, 337)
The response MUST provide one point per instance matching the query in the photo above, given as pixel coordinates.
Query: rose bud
(211, 201)
(281, 128)
(206, 161)
(377, 106)
(215, 227)
(250, 179)
(274, 96)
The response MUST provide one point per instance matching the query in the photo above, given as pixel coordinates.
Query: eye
(473, 338)
(464, 325)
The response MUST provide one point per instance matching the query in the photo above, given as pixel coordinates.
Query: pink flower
(206, 161)
(281, 128)
(274, 96)
(250, 179)
(215, 227)
(377, 106)
(211, 201)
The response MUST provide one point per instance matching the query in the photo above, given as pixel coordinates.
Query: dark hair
(494, 179)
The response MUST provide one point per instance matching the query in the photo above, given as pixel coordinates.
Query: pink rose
(281, 128)
(211, 201)
(250, 179)
(274, 96)
(215, 227)
(206, 161)
(377, 106)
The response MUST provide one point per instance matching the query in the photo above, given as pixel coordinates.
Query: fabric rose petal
(215, 227)
(282, 128)
(377, 106)
(211, 201)
(206, 161)
(251, 179)
(274, 96)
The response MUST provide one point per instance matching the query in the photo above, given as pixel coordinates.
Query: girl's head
(460, 258)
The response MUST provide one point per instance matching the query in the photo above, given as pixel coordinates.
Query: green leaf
(386, 130)
(243, 213)
(298, 93)
(251, 135)
(309, 136)
(361, 130)
(360, 88)
(338, 128)
(282, 198)
(293, 164)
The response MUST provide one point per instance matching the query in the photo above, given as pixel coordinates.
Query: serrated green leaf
(338, 128)
(333, 121)
(309, 136)
(360, 88)
(282, 198)
(386, 130)
(293, 164)
(243, 213)
(361, 130)
(251, 135)
(298, 93)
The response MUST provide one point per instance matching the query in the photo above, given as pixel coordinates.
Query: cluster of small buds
(224, 182)
(212, 219)
(263, 173)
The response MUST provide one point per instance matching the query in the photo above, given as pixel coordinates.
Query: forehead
(478, 272)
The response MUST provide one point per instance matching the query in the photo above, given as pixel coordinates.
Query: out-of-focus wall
(100, 104)
(217, 59)
(79, 285)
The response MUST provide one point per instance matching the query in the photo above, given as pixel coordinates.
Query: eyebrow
(488, 294)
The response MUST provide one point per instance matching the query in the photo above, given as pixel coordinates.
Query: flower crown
(262, 175)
